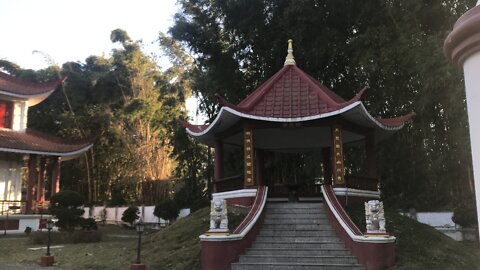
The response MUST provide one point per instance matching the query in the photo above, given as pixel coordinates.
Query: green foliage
(465, 213)
(167, 210)
(131, 214)
(125, 101)
(346, 45)
(65, 205)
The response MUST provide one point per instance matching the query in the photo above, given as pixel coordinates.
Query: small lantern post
(48, 259)
(140, 228)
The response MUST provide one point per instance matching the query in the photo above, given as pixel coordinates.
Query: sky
(72, 30)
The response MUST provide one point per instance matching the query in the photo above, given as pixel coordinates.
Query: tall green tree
(125, 101)
(393, 46)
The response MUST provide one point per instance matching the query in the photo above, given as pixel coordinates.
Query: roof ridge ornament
(290, 59)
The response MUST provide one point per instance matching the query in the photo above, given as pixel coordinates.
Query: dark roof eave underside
(354, 112)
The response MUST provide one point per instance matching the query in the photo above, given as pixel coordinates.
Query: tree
(395, 47)
(128, 104)
(167, 210)
(65, 205)
(130, 214)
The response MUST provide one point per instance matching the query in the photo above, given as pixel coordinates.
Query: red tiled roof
(396, 121)
(290, 93)
(36, 142)
(14, 85)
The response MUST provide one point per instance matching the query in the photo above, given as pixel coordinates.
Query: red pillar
(337, 157)
(371, 156)
(248, 158)
(32, 177)
(41, 180)
(218, 164)
(55, 176)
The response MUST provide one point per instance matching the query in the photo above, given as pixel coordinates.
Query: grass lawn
(111, 253)
(174, 247)
(177, 247)
(419, 246)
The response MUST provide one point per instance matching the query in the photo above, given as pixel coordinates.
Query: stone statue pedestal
(47, 261)
(137, 266)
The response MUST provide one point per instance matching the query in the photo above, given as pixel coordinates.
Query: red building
(26, 154)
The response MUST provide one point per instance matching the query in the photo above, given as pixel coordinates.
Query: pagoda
(27, 153)
(292, 113)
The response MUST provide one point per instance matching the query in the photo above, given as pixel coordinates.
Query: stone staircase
(296, 236)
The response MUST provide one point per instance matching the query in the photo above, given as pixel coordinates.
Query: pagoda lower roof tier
(35, 142)
(19, 89)
(354, 113)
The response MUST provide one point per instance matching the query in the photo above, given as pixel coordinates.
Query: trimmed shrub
(89, 224)
(65, 205)
(167, 209)
(465, 213)
(130, 215)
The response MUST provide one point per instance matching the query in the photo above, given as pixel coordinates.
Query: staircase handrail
(248, 222)
(347, 224)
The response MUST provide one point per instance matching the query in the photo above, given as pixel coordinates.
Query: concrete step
(298, 244)
(295, 215)
(298, 238)
(295, 221)
(298, 259)
(294, 211)
(271, 226)
(308, 233)
(294, 266)
(299, 205)
(298, 252)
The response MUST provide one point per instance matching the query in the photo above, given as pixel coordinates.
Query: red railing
(20, 207)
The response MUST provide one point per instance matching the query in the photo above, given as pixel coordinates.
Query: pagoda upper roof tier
(292, 96)
(14, 88)
(36, 142)
(291, 93)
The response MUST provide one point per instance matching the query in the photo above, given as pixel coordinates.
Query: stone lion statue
(218, 215)
(375, 217)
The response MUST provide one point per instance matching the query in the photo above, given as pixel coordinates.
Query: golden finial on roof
(290, 59)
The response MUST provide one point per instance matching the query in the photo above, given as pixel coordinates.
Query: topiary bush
(465, 213)
(167, 209)
(131, 214)
(65, 206)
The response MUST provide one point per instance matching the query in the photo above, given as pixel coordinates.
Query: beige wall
(20, 111)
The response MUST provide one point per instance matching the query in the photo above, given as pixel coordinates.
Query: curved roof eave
(64, 155)
(355, 112)
(31, 100)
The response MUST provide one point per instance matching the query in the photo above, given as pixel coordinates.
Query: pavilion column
(337, 157)
(260, 166)
(371, 156)
(32, 177)
(218, 164)
(327, 165)
(462, 46)
(55, 176)
(249, 158)
(41, 180)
